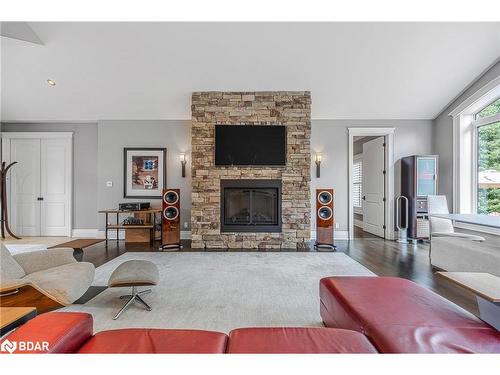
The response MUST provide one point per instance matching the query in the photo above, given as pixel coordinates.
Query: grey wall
(98, 157)
(113, 136)
(330, 137)
(443, 133)
(84, 166)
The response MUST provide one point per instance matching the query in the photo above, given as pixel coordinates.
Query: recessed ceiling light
(51, 82)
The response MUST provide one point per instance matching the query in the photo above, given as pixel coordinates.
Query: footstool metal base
(135, 296)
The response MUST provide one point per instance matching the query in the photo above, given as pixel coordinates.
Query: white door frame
(389, 175)
(7, 136)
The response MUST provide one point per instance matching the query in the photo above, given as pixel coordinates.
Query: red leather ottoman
(166, 341)
(297, 340)
(399, 316)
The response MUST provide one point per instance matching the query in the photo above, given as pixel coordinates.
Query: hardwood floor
(360, 233)
(385, 258)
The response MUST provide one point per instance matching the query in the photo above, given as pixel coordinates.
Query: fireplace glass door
(251, 209)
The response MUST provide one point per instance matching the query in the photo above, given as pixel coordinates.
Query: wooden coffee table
(13, 317)
(487, 289)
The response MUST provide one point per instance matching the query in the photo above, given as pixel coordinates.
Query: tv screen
(250, 145)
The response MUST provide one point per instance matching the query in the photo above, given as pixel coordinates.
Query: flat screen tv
(250, 145)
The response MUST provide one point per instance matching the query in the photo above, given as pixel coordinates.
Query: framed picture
(144, 172)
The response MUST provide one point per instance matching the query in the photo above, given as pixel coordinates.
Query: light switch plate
(109, 183)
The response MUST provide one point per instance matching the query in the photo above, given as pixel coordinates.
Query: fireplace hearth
(250, 205)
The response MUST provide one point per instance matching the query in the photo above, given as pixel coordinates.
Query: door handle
(39, 199)
(364, 197)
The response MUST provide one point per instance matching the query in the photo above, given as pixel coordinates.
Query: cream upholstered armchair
(440, 227)
(45, 279)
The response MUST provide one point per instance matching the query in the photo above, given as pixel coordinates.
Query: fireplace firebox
(250, 205)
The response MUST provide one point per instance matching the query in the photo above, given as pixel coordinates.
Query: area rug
(221, 291)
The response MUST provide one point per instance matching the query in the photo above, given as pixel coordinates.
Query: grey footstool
(134, 273)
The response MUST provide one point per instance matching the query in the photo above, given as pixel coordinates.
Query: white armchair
(45, 279)
(439, 227)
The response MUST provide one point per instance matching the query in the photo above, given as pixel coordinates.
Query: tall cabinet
(419, 178)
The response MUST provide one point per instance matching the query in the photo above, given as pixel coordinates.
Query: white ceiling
(148, 70)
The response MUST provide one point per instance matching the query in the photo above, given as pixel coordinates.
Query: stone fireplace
(248, 206)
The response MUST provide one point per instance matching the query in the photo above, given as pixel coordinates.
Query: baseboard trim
(358, 223)
(185, 234)
(88, 233)
(337, 235)
(111, 234)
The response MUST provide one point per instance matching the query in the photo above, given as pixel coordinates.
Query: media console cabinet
(133, 233)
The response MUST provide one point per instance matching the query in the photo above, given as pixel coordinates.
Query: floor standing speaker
(324, 218)
(171, 219)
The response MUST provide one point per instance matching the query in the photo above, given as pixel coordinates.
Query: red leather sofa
(399, 316)
(367, 315)
(68, 332)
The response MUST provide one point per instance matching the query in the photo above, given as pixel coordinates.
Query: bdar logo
(8, 346)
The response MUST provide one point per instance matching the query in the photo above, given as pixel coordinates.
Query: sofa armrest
(35, 261)
(56, 332)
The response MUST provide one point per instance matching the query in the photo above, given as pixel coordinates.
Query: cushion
(64, 332)
(40, 260)
(430, 339)
(167, 341)
(65, 283)
(134, 273)
(9, 268)
(297, 340)
(400, 316)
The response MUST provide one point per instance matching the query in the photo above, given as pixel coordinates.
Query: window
(487, 125)
(489, 110)
(357, 182)
(476, 152)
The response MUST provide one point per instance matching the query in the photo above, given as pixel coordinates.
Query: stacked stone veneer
(289, 108)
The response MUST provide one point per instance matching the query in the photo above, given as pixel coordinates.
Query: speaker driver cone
(325, 213)
(325, 197)
(170, 213)
(170, 197)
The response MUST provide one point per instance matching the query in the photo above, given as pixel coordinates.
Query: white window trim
(356, 158)
(465, 145)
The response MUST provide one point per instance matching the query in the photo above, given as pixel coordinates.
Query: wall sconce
(182, 158)
(318, 165)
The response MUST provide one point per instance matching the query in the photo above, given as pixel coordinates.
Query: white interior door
(25, 187)
(373, 187)
(55, 187)
(40, 185)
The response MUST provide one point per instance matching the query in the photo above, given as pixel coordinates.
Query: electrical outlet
(337, 225)
(185, 225)
(109, 183)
